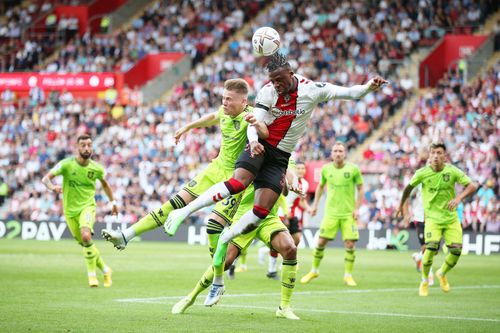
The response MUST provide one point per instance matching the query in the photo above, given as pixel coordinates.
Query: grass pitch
(44, 289)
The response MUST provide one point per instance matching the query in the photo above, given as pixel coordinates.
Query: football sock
(211, 196)
(204, 282)
(317, 256)
(155, 218)
(451, 259)
(288, 277)
(427, 259)
(99, 261)
(214, 229)
(349, 258)
(90, 255)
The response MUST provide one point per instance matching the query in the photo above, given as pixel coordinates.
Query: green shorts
(214, 173)
(331, 225)
(85, 219)
(452, 232)
(265, 232)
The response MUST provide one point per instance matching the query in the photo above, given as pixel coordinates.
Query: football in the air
(266, 41)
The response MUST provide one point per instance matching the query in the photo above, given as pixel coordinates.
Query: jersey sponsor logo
(347, 174)
(90, 174)
(277, 112)
(236, 124)
(446, 177)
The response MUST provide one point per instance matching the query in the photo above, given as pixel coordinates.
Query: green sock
(427, 261)
(288, 277)
(99, 262)
(214, 230)
(451, 259)
(90, 255)
(157, 217)
(219, 259)
(349, 258)
(204, 282)
(317, 256)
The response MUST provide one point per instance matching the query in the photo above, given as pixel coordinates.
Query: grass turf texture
(44, 289)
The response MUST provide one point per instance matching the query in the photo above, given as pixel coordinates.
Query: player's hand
(114, 210)
(180, 132)
(377, 82)
(313, 210)
(256, 149)
(400, 213)
(453, 204)
(250, 118)
(57, 189)
(355, 214)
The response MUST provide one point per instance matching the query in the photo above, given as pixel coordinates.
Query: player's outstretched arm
(328, 91)
(205, 121)
(317, 197)
(109, 193)
(47, 181)
(406, 195)
(470, 189)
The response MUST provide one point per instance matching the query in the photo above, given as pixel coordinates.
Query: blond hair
(239, 86)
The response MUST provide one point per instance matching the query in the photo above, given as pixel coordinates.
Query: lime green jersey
(341, 183)
(438, 189)
(234, 137)
(78, 183)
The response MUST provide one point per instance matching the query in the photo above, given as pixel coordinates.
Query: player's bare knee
(86, 236)
(289, 251)
(349, 244)
(322, 242)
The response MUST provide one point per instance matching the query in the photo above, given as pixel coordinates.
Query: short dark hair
(436, 145)
(83, 137)
(277, 61)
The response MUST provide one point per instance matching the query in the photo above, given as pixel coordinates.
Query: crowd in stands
(466, 118)
(134, 141)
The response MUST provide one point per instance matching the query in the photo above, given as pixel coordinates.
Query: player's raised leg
(218, 192)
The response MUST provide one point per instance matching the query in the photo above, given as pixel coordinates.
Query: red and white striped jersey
(293, 200)
(286, 116)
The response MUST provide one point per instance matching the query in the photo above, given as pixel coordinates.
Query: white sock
(315, 270)
(213, 195)
(236, 229)
(419, 255)
(92, 274)
(218, 280)
(129, 233)
(346, 275)
(425, 280)
(105, 269)
(431, 273)
(271, 268)
(262, 254)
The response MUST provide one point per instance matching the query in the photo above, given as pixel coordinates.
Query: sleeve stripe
(262, 106)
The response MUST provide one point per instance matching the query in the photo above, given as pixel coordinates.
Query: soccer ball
(266, 41)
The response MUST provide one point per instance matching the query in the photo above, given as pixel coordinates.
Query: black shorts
(269, 169)
(294, 225)
(420, 227)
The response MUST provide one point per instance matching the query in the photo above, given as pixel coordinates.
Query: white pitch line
(363, 313)
(350, 291)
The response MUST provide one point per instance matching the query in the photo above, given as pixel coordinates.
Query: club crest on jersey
(347, 174)
(236, 124)
(90, 174)
(287, 98)
(446, 177)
